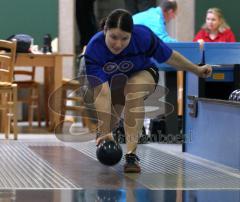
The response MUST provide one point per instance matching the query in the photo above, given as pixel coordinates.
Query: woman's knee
(138, 87)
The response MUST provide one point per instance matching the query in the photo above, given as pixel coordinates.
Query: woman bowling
(122, 74)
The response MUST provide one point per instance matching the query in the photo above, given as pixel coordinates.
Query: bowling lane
(82, 170)
(161, 169)
(56, 165)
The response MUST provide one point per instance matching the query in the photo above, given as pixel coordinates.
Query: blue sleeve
(159, 50)
(150, 44)
(94, 67)
(162, 49)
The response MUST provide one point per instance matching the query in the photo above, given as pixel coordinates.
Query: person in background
(86, 21)
(215, 28)
(120, 70)
(156, 18)
(135, 6)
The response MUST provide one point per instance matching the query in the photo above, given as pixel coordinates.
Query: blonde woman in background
(215, 28)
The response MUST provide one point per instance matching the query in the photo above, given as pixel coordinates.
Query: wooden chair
(8, 90)
(72, 101)
(25, 80)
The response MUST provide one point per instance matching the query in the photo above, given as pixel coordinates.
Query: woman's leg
(117, 101)
(139, 86)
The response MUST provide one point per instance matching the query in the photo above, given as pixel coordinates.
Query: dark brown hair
(118, 18)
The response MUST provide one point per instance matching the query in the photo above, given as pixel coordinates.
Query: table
(52, 64)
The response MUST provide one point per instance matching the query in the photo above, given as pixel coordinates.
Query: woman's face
(117, 40)
(212, 21)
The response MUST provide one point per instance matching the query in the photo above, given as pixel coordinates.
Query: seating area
(73, 105)
(27, 83)
(8, 89)
(19, 88)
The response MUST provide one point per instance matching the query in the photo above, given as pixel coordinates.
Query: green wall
(32, 17)
(230, 9)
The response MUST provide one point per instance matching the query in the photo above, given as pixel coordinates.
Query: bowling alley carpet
(44, 162)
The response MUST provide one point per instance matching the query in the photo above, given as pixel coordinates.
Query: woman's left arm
(183, 64)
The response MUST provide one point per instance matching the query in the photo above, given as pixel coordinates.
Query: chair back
(24, 73)
(8, 90)
(7, 60)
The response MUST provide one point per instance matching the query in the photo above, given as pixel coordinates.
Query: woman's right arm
(102, 98)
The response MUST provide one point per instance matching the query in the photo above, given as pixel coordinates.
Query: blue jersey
(102, 65)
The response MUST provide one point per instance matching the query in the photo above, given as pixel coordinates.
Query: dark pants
(86, 20)
(135, 6)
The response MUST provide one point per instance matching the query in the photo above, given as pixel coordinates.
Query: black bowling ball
(109, 152)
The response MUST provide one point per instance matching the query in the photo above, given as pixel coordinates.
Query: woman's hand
(204, 71)
(178, 61)
(108, 136)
